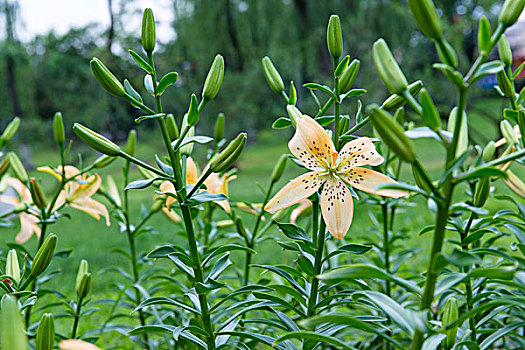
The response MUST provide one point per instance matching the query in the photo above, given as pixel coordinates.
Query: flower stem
(77, 318)
(467, 282)
(318, 262)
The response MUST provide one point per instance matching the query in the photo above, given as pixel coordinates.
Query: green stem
(77, 318)
(337, 111)
(386, 244)
(199, 183)
(318, 264)
(467, 282)
(325, 108)
(357, 126)
(483, 58)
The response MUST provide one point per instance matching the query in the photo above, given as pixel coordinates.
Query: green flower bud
(419, 179)
(294, 114)
(388, 69)
(39, 198)
(44, 255)
(96, 141)
(222, 224)
(505, 84)
(447, 54)
(84, 286)
(463, 131)
(279, 167)
(193, 111)
(504, 51)
(426, 17)
(392, 134)
(188, 148)
(484, 36)
(508, 133)
(18, 167)
(83, 268)
(430, 113)
(346, 81)
(272, 75)
(106, 79)
(58, 129)
(45, 335)
(171, 125)
(450, 314)
(103, 161)
(399, 116)
(12, 268)
(157, 205)
(148, 31)
(9, 131)
(241, 229)
(292, 99)
(489, 151)
(341, 67)
(481, 194)
(219, 127)
(4, 166)
(396, 101)
(229, 155)
(12, 333)
(334, 37)
(511, 11)
(213, 81)
(131, 143)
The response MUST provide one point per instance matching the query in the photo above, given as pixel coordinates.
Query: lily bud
(131, 142)
(334, 37)
(272, 75)
(39, 198)
(83, 269)
(430, 113)
(504, 51)
(388, 69)
(450, 314)
(294, 114)
(171, 125)
(481, 194)
(426, 17)
(45, 335)
(447, 54)
(18, 167)
(488, 151)
(44, 255)
(484, 36)
(463, 131)
(103, 161)
(222, 224)
(229, 155)
(157, 205)
(419, 179)
(515, 184)
(292, 99)
(241, 229)
(188, 148)
(508, 132)
(9, 131)
(12, 268)
(346, 81)
(504, 83)
(392, 134)
(96, 141)
(58, 129)
(148, 31)
(511, 11)
(106, 79)
(4, 166)
(396, 101)
(113, 190)
(213, 81)
(219, 127)
(12, 333)
(84, 286)
(193, 112)
(279, 167)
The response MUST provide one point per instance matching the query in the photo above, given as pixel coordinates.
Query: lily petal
(191, 172)
(358, 152)
(311, 144)
(86, 189)
(368, 180)
(167, 186)
(337, 207)
(28, 226)
(92, 207)
(296, 190)
(304, 206)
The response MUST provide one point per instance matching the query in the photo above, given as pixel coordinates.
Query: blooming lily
(28, 219)
(77, 192)
(316, 151)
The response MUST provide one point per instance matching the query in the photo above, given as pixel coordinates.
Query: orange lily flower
(316, 151)
(28, 219)
(77, 193)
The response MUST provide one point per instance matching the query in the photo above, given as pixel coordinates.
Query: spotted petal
(368, 180)
(191, 172)
(311, 144)
(296, 190)
(358, 152)
(337, 207)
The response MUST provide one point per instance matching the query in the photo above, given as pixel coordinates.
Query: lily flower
(214, 184)
(316, 151)
(77, 192)
(29, 218)
(304, 206)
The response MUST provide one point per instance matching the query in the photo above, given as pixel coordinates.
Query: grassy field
(92, 240)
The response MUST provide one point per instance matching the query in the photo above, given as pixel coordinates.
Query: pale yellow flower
(28, 219)
(76, 344)
(503, 141)
(216, 184)
(303, 206)
(314, 148)
(77, 192)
